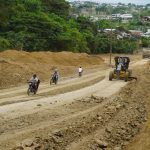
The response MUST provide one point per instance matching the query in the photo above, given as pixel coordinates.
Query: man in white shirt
(80, 70)
(35, 81)
(118, 69)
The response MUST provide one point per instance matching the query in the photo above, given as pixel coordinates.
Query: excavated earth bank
(94, 123)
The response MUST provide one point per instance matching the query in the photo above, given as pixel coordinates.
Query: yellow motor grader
(124, 73)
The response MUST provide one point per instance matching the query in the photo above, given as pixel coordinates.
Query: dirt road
(71, 115)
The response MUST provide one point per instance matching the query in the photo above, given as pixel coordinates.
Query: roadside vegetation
(47, 25)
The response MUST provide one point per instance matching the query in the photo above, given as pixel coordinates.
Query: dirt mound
(72, 122)
(16, 66)
(106, 123)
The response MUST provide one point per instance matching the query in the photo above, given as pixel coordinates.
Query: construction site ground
(87, 113)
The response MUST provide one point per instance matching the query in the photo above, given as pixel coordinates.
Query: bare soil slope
(16, 67)
(88, 113)
(142, 140)
(90, 118)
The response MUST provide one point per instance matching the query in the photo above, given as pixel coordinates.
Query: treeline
(35, 25)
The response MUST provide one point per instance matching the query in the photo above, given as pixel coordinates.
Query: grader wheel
(111, 75)
(130, 72)
(126, 76)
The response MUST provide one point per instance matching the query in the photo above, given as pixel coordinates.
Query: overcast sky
(122, 1)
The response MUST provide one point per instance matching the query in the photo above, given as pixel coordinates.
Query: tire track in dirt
(50, 92)
(105, 83)
(46, 90)
(24, 108)
(10, 112)
(96, 102)
(64, 80)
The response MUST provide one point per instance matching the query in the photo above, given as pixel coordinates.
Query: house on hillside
(93, 18)
(123, 17)
(109, 30)
(126, 17)
(115, 16)
(136, 33)
(147, 34)
(146, 18)
(104, 17)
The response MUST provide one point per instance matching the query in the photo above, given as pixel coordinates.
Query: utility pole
(110, 50)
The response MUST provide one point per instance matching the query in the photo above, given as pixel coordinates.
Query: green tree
(4, 44)
(59, 7)
(145, 42)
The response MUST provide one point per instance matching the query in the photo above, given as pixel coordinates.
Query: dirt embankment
(74, 120)
(108, 126)
(96, 123)
(16, 67)
(142, 140)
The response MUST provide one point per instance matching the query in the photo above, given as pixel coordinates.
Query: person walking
(80, 71)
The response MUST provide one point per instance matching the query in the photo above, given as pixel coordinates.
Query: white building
(147, 34)
(115, 16)
(109, 30)
(123, 17)
(126, 17)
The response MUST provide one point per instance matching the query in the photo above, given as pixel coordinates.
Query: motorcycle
(54, 79)
(32, 89)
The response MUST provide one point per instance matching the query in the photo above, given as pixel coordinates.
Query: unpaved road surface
(78, 113)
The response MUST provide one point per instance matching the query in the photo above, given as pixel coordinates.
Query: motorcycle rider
(55, 75)
(35, 81)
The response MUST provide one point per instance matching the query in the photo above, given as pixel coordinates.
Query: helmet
(34, 76)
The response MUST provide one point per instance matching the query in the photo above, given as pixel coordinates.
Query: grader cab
(124, 73)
